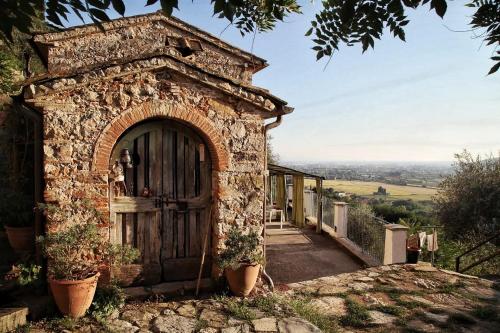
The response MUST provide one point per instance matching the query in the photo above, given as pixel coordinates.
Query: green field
(366, 189)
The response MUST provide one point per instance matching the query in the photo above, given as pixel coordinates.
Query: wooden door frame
(123, 204)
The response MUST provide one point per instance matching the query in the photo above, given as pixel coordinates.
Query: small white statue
(117, 172)
(118, 177)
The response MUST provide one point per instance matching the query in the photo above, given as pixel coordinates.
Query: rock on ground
(265, 324)
(173, 324)
(330, 305)
(119, 326)
(296, 325)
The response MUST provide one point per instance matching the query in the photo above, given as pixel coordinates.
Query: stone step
(12, 318)
(168, 288)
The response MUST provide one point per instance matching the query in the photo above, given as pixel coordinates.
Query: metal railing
(329, 212)
(368, 232)
(481, 260)
(310, 200)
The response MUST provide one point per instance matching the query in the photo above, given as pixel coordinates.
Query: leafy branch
(353, 22)
(348, 22)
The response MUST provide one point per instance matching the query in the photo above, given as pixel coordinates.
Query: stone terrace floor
(398, 298)
(295, 255)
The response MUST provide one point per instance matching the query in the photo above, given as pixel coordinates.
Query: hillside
(366, 189)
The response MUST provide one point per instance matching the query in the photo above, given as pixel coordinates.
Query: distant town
(397, 173)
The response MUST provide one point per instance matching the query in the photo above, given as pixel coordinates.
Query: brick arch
(148, 110)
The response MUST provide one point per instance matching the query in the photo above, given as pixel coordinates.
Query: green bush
(469, 199)
(76, 252)
(26, 275)
(10, 72)
(240, 249)
(29, 275)
(106, 300)
(445, 256)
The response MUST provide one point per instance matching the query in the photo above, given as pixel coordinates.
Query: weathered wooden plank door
(165, 210)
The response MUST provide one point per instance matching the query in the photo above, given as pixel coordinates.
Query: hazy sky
(422, 100)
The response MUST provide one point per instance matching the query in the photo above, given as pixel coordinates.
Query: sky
(423, 100)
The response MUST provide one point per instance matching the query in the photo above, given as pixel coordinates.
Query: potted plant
(17, 218)
(75, 255)
(241, 260)
(27, 275)
(16, 168)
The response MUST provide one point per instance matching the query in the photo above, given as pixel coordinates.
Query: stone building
(159, 125)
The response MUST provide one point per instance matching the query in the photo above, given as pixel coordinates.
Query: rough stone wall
(141, 37)
(77, 111)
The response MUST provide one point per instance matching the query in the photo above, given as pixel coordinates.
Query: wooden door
(165, 210)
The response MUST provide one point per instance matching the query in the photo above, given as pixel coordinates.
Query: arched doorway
(162, 203)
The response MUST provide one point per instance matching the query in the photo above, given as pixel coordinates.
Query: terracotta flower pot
(242, 280)
(21, 239)
(73, 297)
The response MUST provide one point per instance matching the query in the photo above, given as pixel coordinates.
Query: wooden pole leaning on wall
(319, 205)
(205, 241)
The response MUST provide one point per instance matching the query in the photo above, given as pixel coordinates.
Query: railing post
(319, 205)
(395, 244)
(340, 219)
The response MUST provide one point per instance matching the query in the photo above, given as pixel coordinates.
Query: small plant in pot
(18, 217)
(75, 255)
(241, 260)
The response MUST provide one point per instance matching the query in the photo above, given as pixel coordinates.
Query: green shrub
(76, 252)
(29, 275)
(240, 249)
(106, 300)
(450, 249)
(10, 72)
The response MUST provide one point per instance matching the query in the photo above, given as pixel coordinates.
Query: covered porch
(289, 200)
(296, 248)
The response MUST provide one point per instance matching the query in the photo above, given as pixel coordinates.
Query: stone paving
(398, 298)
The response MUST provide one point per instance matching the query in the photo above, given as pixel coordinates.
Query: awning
(275, 169)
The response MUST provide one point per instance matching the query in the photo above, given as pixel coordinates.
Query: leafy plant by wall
(240, 249)
(77, 251)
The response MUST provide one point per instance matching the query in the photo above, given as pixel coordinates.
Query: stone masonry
(99, 83)
(395, 298)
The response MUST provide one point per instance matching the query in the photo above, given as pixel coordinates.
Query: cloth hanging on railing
(422, 236)
(432, 242)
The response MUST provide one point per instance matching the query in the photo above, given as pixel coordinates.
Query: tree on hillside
(468, 201)
(272, 156)
(346, 22)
